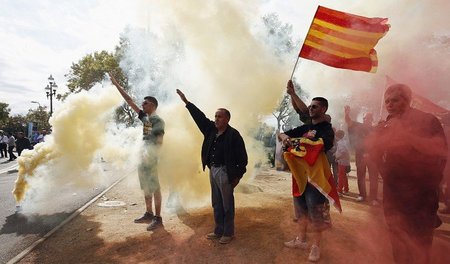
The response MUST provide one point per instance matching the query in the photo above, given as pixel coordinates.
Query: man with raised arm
(153, 132)
(223, 151)
(312, 179)
(358, 134)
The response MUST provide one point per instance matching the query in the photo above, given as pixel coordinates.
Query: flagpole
(295, 66)
(298, 57)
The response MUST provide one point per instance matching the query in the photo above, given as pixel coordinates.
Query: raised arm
(124, 94)
(182, 96)
(297, 103)
(203, 123)
(348, 120)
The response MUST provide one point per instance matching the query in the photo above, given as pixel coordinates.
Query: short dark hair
(322, 101)
(152, 99)
(227, 113)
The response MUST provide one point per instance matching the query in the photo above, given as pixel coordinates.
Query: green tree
(4, 114)
(91, 69)
(16, 123)
(279, 37)
(39, 117)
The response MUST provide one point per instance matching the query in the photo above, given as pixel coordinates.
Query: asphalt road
(21, 229)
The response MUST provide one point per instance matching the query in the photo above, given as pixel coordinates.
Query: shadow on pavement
(31, 224)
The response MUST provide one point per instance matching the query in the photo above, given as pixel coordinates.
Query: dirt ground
(263, 222)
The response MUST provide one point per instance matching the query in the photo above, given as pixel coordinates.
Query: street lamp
(35, 102)
(51, 92)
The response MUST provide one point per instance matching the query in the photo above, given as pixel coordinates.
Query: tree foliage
(19, 123)
(16, 123)
(279, 36)
(39, 117)
(4, 113)
(91, 69)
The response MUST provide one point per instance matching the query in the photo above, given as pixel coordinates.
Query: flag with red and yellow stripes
(311, 166)
(344, 40)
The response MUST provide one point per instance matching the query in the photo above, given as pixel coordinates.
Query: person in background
(41, 137)
(358, 134)
(11, 146)
(22, 143)
(3, 144)
(343, 160)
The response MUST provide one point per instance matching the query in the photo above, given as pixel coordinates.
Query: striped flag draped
(315, 170)
(343, 40)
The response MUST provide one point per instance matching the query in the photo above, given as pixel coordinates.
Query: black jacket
(235, 153)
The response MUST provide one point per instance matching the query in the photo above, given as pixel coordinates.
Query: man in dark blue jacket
(223, 151)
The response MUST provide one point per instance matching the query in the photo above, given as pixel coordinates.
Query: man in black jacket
(223, 151)
(22, 143)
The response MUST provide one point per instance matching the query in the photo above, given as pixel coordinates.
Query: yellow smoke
(78, 127)
(225, 65)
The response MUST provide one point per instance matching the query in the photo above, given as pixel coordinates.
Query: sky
(45, 37)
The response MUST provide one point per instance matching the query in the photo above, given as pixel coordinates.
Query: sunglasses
(313, 106)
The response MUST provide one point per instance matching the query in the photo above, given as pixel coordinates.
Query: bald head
(397, 98)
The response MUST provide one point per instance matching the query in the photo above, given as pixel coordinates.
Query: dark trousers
(222, 201)
(410, 211)
(11, 154)
(363, 165)
(3, 150)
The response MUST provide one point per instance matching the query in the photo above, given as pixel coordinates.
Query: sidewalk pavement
(263, 222)
(7, 166)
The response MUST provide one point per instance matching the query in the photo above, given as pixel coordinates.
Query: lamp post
(36, 102)
(51, 92)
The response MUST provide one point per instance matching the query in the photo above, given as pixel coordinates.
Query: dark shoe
(156, 223)
(146, 218)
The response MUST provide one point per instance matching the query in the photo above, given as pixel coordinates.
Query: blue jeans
(222, 199)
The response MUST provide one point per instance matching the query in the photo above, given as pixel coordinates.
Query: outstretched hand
(182, 96)
(347, 109)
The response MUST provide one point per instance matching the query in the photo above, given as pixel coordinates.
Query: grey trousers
(222, 199)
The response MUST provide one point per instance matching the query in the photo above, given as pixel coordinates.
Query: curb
(13, 167)
(26, 251)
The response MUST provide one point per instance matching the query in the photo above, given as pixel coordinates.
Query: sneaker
(212, 236)
(359, 198)
(156, 222)
(146, 218)
(314, 254)
(225, 239)
(296, 243)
